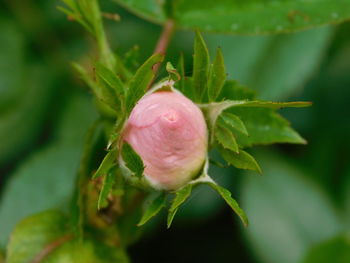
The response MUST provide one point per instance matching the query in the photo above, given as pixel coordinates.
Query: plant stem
(163, 42)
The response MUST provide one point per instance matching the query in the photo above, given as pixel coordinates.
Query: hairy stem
(163, 42)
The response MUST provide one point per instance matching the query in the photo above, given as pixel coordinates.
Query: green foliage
(181, 196)
(236, 120)
(25, 87)
(34, 233)
(233, 122)
(45, 238)
(88, 14)
(107, 163)
(173, 74)
(217, 76)
(288, 213)
(53, 170)
(335, 250)
(200, 68)
(180, 85)
(276, 66)
(140, 81)
(264, 126)
(107, 186)
(250, 17)
(226, 195)
(241, 160)
(11, 53)
(226, 138)
(132, 160)
(153, 205)
(113, 82)
(87, 251)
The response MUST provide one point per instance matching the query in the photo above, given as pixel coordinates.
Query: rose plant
(159, 133)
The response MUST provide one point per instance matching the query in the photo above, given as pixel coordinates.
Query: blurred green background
(299, 210)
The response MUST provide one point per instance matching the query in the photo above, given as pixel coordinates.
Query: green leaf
(181, 69)
(153, 205)
(226, 195)
(276, 67)
(132, 160)
(200, 68)
(145, 8)
(270, 104)
(213, 110)
(233, 121)
(248, 17)
(217, 76)
(225, 137)
(335, 250)
(233, 90)
(180, 197)
(33, 234)
(141, 80)
(21, 93)
(45, 238)
(11, 63)
(264, 126)
(89, 250)
(107, 185)
(111, 79)
(241, 160)
(285, 209)
(53, 169)
(131, 58)
(107, 163)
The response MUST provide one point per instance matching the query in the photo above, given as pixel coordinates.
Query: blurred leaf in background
(46, 179)
(25, 90)
(275, 66)
(248, 17)
(288, 212)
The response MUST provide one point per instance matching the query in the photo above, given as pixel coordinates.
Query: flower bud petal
(169, 133)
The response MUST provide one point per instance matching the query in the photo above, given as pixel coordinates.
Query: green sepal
(153, 205)
(138, 182)
(107, 185)
(140, 82)
(217, 76)
(180, 85)
(181, 196)
(132, 160)
(107, 163)
(200, 68)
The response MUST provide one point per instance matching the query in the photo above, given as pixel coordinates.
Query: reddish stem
(163, 42)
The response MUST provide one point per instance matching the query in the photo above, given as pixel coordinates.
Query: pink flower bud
(169, 133)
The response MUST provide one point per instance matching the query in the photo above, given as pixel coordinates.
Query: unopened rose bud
(169, 133)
